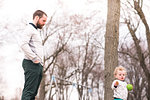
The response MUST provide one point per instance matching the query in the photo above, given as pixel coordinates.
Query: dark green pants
(33, 76)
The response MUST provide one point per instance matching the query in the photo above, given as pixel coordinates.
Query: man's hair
(119, 68)
(39, 13)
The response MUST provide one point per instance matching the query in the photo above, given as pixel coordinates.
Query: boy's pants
(117, 99)
(33, 77)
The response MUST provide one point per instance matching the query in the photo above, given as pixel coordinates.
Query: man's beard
(39, 25)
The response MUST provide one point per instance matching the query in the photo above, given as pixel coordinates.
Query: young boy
(119, 85)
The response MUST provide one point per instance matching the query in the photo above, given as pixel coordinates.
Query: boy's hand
(116, 83)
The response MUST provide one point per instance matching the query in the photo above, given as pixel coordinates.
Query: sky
(12, 13)
(16, 8)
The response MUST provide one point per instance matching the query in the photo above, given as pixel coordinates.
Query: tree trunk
(139, 10)
(111, 45)
(42, 88)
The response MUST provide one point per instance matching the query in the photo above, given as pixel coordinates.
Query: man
(33, 51)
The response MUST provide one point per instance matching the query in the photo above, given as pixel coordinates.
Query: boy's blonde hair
(119, 68)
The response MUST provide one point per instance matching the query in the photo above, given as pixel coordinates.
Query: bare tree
(128, 58)
(47, 59)
(66, 62)
(111, 45)
(142, 53)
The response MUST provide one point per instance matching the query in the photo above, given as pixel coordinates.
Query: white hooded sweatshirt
(121, 90)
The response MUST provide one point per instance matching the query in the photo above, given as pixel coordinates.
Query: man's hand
(37, 61)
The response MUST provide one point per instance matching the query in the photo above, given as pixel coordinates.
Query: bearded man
(33, 50)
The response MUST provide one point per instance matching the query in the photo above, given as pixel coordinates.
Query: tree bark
(111, 45)
(42, 88)
(140, 12)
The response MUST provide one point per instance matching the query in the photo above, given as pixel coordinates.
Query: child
(119, 85)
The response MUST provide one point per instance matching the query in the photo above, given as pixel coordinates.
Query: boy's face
(120, 75)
